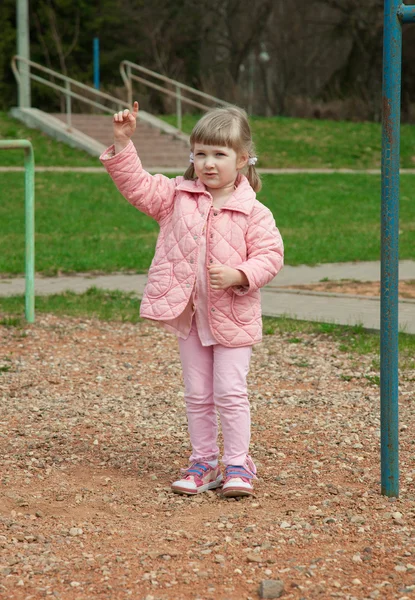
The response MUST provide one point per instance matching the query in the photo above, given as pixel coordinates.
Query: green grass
(311, 143)
(84, 224)
(124, 307)
(107, 305)
(335, 218)
(11, 321)
(354, 340)
(48, 152)
(281, 142)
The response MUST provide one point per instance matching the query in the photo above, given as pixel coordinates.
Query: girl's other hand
(124, 124)
(222, 277)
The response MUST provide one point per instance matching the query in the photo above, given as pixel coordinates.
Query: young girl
(217, 246)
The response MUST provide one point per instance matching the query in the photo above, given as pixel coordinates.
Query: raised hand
(124, 123)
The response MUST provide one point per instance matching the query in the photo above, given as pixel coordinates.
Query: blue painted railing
(395, 15)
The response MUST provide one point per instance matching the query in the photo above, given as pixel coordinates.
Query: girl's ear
(242, 160)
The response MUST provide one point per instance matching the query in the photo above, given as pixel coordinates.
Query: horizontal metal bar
(7, 144)
(59, 88)
(170, 92)
(64, 78)
(406, 13)
(171, 81)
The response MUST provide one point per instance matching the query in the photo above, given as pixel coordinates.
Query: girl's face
(217, 166)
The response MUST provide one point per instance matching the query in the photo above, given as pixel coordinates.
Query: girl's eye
(220, 154)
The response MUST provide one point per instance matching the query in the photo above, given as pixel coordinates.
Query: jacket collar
(242, 199)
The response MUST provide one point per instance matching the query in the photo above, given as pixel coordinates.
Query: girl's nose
(210, 161)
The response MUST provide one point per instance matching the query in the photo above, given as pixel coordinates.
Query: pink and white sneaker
(238, 479)
(198, 478)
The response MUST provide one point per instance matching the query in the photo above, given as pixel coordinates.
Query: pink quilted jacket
(242, 234)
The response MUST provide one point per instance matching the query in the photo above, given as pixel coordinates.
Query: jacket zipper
(198, 250)
(208, 226)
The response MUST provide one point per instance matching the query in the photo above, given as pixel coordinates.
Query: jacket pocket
(245, 309)
(160, 278)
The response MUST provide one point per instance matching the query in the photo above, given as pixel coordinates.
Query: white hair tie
(192, 157)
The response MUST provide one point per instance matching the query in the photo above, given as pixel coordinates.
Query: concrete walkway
(299, 304)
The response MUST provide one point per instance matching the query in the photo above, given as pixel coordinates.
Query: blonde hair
(229, 127)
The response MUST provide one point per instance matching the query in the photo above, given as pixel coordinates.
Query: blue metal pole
(391, 99)
(96, 63)
(407, 13)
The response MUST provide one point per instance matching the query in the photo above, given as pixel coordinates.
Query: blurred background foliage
(311, 58)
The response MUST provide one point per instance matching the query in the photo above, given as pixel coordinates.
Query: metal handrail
(127, 66)
(29, 163)
(66, 89)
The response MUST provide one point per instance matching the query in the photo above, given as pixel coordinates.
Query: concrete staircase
(157, 149)
(160, 145)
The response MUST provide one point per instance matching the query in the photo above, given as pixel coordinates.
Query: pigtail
(254, 178)
(190, 172)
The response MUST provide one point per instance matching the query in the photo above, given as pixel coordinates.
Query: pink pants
(215, 378)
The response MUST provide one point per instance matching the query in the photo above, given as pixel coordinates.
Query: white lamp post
(23, 50)
(264, 58)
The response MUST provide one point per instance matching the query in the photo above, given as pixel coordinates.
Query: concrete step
(155, 148)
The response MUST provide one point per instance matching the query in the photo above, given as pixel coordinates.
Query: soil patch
(93, 431)
(360, 288)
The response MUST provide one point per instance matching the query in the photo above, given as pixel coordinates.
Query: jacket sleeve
(151, 194)
(265, 252)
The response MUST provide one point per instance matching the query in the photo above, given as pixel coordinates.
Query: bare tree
(51, 37)
(360, 26)
(50, 29)
(320, 56)
(231, 31)
(297, 55)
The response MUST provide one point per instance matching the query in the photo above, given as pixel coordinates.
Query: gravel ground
(93, 430)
